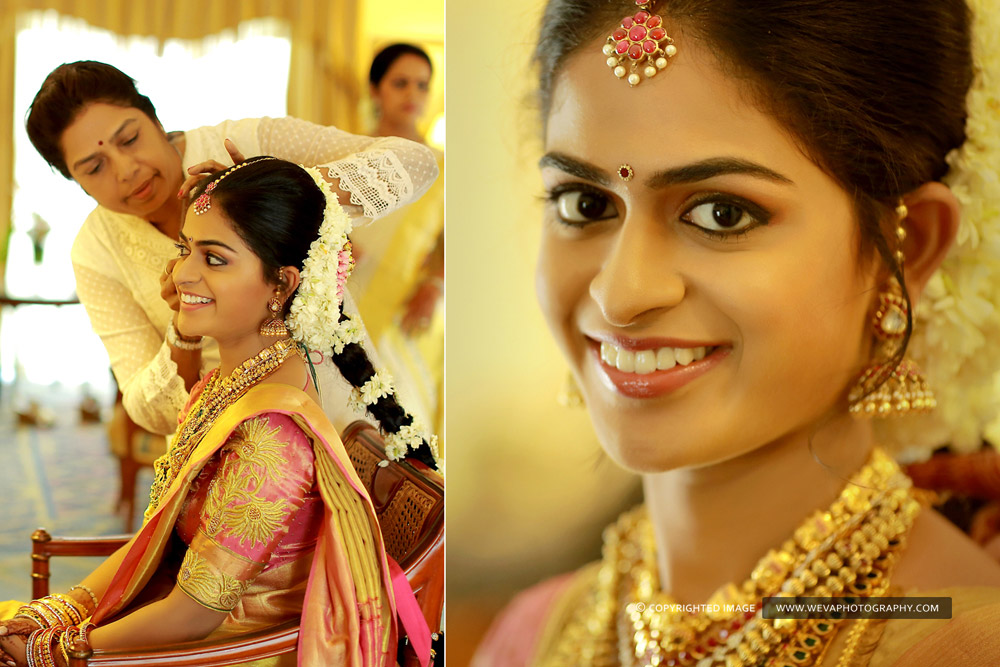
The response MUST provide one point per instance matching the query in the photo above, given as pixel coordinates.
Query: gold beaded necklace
(849, 548)
(214, 399)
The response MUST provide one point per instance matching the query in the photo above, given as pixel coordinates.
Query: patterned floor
(63, 479)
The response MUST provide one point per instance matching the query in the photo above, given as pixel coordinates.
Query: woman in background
(746, 235)
(90, 123)
(398, 282)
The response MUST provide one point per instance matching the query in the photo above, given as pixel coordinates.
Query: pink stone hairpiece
(203, 204)
(642, 42)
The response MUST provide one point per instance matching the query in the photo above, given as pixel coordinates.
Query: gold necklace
(216, 396)
(848, 548)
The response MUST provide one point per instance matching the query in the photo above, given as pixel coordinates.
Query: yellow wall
(528, 491)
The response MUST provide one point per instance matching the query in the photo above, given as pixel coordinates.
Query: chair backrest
(409, 501)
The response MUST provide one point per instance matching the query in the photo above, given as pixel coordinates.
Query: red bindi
(100, 143)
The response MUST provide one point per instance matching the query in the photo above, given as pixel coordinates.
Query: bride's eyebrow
(574, 167)
(712, 167)
(206, 243)
(688, 173)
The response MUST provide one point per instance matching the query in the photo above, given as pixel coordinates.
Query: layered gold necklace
(214, 399)
(847, 549)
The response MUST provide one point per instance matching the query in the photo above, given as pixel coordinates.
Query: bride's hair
(277, 209)
(874, 93)
(65, 92)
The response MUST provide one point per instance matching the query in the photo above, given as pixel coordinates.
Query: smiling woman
(730, 273)
(256, 496)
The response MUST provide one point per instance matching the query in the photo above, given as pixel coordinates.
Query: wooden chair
(135, 448)
(409, 501)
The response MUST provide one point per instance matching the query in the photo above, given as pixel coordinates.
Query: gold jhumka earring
(275, 325)
(886, 389)
(569, 395)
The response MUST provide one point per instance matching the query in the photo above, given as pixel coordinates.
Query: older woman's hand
(168, 291)
(202, 169)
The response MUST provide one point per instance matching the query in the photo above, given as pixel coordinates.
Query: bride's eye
(577, 205)
(720, 217)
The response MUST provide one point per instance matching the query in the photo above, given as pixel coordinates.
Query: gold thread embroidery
(231, 505)
(258, 450)
(207, 585)
(248, 517)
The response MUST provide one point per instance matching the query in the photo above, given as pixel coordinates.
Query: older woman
(91, 124)
(744, 208)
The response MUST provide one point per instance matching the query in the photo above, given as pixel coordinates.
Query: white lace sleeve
(152, 391)
(381, 173)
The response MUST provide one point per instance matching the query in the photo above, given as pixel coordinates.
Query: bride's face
(219, 280)
(716, 301)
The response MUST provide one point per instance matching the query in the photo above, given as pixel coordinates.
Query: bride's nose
(639, 275)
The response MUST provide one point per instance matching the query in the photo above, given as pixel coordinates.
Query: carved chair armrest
(44, 546)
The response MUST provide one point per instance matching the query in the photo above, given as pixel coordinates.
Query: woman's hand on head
(199, 171)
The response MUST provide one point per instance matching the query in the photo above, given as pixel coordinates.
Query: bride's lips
(189, 301)
(679, 362)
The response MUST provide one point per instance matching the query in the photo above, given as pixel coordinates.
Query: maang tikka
(203, 204)
(642, 43)
(898, 389)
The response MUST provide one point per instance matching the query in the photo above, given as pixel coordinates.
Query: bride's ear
(931, 225)
(290, 279)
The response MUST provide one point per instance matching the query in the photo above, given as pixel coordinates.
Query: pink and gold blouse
(251, 521)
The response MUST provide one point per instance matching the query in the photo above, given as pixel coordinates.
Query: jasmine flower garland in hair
(347, 332)
(314, 316)
(410, 436)
(379, 385)
(956, 337)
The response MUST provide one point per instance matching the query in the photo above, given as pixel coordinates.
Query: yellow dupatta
(349, 611)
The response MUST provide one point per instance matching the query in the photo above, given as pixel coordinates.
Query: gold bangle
(66, 641)
(40, 614)
(41, 650)
(85, 629)
(74, 609)
(87, 591)
(30, 646)
(61, 618)
(32, 615)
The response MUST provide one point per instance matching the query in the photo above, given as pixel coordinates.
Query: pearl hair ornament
(640, 42)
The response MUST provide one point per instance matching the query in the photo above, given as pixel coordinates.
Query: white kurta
(118, 258)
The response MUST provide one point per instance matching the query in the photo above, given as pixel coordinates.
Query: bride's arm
(253, 497)
(173, 620)
(96, 582)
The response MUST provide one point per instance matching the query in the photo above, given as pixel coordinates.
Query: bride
(256, 514)
(747, 247)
